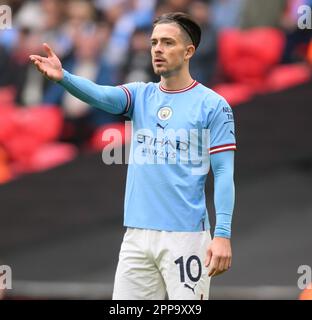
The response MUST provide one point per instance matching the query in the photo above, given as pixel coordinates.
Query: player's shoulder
(140, 86)
(210, 97)
(150, 86)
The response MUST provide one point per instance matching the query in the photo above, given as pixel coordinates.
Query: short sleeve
(130, 90)
(222, 129)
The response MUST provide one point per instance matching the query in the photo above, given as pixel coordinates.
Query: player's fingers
(213, 272)
(227, 263)
(35, 57)
(213, 265)
(221, 265)
(48, 50)
(230, 263)
(208, 257)
(40, 67)
(218, 272)
(224, 265)
(38, 64)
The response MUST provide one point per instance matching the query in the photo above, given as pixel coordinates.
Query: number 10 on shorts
(185, 268)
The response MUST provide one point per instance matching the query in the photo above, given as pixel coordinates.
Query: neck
(176, 81)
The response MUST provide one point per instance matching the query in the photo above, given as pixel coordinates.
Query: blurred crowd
(107, 41)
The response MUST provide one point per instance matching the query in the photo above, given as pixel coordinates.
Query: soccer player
(167, 247)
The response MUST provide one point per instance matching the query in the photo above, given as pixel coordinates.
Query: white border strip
(86, 291)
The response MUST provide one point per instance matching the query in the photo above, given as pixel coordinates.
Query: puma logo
(189, 287)
(160, 126)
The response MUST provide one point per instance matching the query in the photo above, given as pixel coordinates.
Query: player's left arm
(222, 148)
(219, 252)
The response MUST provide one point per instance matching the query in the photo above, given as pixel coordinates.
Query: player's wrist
(62, 77)
(222, 234)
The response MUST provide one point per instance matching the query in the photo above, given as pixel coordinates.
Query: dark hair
(185, 22)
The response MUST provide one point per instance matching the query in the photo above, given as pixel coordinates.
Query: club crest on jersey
(164, 113)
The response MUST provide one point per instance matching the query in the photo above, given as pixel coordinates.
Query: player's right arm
(114, 100)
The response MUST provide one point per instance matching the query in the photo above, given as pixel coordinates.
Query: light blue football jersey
(166, 178)
(169, 158)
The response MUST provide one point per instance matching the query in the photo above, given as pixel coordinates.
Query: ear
(190, 50)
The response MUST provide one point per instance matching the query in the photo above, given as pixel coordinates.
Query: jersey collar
(189, 87)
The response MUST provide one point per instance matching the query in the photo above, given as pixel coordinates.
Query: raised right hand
(49, 66)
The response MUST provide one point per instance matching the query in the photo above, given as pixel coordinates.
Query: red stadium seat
(96, 142)
(285, 76)
(45, 157)
(51, 155)
(7, 96)
(24, 133)
(247, 56)
(7, 125)
(5, 173)
(24, 130)
(20, 147)
(234, 93)
(42, 123)
(309, 52)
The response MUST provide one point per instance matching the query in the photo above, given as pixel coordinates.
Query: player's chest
(169, 112)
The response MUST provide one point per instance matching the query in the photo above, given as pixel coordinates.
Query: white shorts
(153, 263)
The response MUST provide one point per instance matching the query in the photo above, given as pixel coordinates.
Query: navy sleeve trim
(128, 94)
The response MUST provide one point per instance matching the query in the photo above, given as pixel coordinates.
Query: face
(170, 50)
